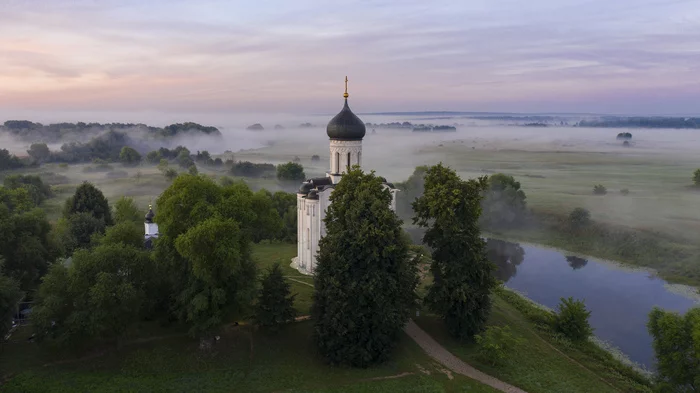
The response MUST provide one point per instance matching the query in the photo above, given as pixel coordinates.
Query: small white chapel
(345, 131)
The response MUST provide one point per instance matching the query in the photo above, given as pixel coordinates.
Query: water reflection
(576, 262)
(506, 256)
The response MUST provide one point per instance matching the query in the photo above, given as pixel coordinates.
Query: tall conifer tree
(449, 209)
(365, 282)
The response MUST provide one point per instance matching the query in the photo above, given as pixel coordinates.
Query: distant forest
(90, 142)
(642, 122)
(57, 132)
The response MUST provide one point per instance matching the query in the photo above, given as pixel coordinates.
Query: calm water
(619, 300)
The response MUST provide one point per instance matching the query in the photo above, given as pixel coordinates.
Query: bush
(572, 319)
(696, 178)
(624, 191)
(579, 217)
(599, 189)
(494, 344)
(315, 157)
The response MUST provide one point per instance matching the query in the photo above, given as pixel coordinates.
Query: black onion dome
(346, 125)
(150, 215)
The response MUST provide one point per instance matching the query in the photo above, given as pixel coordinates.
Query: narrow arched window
(359, 154)
(308, 238)
(349, 164)
(337, 162)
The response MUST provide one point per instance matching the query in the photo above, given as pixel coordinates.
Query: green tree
(579, 218)
(290, 171)
(223, 273)
(10, 295)
(204, 246)
(89, 199)
(170, 174)
(192, 170)
(81, 229)
(125, 210)
(285, 204)
(275, 306)
(39, 151)
(696, 177)
(25, 246)
(153, 157)
(449, 209)
(97, 296)
(126, 233)
(572, 319)
(677, 348)
(365, 282)
(37, 189)
(129, 156)
(503, 203)
(599, 189)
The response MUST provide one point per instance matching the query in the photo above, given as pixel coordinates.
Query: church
(345, 132)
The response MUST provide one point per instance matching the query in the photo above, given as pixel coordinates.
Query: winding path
(442, 355)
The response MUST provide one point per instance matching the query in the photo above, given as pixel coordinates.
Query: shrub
(696, 178)
(599, 189)
(494, 344)
(170, 173)
(315, 157)
(624, 191)
(579, 217)
(572, 319)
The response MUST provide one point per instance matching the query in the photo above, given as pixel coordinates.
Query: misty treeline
(91, 278)
(87, 142)
(58, 132)
(642, 122)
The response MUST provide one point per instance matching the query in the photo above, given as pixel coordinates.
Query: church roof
(150, 215)
(346, 125)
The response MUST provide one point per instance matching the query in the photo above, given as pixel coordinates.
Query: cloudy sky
(602, 56)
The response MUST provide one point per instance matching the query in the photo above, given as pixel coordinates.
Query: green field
(165, 359)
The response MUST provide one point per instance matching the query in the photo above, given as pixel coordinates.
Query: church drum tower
(345, 132)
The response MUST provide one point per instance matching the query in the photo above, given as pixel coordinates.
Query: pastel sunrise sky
(584, 56)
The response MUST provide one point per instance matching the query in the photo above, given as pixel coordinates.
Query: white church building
(345, 131)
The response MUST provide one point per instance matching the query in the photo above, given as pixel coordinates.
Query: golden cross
(346, 87)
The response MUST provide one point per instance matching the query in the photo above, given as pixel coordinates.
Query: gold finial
(346, 87)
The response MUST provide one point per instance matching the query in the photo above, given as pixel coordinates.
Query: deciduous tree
(365, 282)
(290, 171)
(677, 348)
(449, 209)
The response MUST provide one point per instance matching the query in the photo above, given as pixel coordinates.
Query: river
(619, 298)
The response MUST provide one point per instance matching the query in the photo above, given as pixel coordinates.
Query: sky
(582, 56)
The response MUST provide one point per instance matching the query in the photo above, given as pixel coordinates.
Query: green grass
(267, 254)
(243, 360)
(542, 362)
